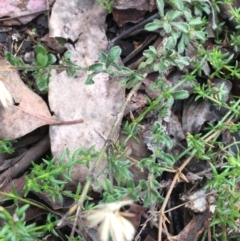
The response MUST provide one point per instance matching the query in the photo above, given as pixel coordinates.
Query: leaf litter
(93, 109)
(28, 9)
(30, 111)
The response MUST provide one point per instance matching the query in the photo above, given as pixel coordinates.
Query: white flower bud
(5, 97)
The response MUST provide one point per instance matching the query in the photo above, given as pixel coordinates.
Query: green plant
(108, 4)
(181, 27)
(50, 178)
(225, 183)
(43, 64)
(6, 146)
(15, 227)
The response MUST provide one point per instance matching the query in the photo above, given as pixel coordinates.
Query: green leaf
(195, 21)
(162, 67)
(116, 66)
(168, 142)
(156, 24)
(143, 183)
(41, 50)
(149, 54)
(200, 35)
(160, 6)
(167, 27)
(149, 61)
(142, 65)
(98, 67)
(67, 55)
(178, 4)
(171, 42)
(125, 80)
(214, 170)
(107, 186)
(15, 61)
(51, 59)
(183, 27)
(168, 159)
(103, 57)
(61, 40)
(181, 45)
(71, 72)
(22, 209)
(173, 14)
(182, 62)
(42, 79)
(153, 50)
(187, 14)
(180, 95)
(42, 59)
(113, 54)
(89, 80)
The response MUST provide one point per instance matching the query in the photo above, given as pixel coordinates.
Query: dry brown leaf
(15, 122)
(131, 11)
(196, 113)
(53, 44)
(28, 9)
(135, 219)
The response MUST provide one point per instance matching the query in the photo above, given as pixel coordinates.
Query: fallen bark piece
(195, 228)
(69, 98)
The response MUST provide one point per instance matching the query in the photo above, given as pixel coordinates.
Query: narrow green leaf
(180, 95)
(168, 159)
(22, 209)
(168, 142)
(181, 45)
(107, 186)
(214, 170)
